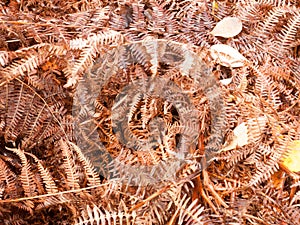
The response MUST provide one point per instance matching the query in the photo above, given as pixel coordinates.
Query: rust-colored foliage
(48, 48)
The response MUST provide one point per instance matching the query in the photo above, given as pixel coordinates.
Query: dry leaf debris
(48, 47)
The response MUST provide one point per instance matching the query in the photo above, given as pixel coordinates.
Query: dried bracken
(134, 112)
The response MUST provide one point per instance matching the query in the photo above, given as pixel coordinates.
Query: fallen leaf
(239, 139)
(226, 81)
(227, 56)
(245, 133)
(277, 179)
(241, 132)
(228, 27)
(291, 161)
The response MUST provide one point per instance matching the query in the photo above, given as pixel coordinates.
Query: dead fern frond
(124, 112)
(289, 34)
(26, 177)
(91, 48)
(8, 181)
(92, 177)
(31, 59)
(72, 177)
(97, 216)
(48, 181)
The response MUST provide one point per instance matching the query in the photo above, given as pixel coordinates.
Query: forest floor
(150, 112)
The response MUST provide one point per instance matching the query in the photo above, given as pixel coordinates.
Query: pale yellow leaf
(247, 132)
(241, 132)
(239, 139)
(227, 55)
(226, 81)
(292, 160)
(232, 144)
(228, 27)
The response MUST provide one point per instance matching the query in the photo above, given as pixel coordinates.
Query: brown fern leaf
(92, 47)
(31, 58)
(92, 177)
(8, 181)
(72, 177)
(288, 35)
(48, 181)
(117, 121)
(29, 117)
(26, 177)
(266, 169)
(278, 3)
(96, 215)
(190, 213)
